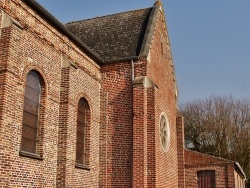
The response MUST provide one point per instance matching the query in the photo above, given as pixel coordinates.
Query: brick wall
(160, 70)
(116, 126)
(144, 163)
(83, 85)
(180, 151)
(125, 147)
(36, 45)
(224, 169)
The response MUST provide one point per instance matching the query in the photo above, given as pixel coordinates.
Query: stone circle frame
(164, 132)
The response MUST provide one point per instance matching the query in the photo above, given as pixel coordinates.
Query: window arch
(82, 136)
(32, 113)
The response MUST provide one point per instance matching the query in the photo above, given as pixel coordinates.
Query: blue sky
(210, 40)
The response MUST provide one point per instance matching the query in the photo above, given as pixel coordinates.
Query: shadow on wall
(119, 136)
(120, 123)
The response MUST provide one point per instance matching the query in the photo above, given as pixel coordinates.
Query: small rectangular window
(206, 179)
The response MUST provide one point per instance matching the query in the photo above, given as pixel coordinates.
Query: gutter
(58, 25)
(132, 70)
(121, 60)
(240, 169)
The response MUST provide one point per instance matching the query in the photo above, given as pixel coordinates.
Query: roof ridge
(107, 15)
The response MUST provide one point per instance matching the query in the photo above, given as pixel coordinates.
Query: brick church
(93, 103)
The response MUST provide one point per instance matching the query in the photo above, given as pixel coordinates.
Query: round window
(164, 132)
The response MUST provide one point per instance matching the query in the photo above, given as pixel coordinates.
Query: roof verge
(149, 31)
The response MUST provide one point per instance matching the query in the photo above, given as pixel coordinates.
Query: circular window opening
(164, 132)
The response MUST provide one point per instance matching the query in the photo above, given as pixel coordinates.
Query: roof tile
(113, 37)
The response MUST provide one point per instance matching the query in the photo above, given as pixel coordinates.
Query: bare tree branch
(219, 126)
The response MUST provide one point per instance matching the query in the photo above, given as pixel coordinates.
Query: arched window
(82, 136)
(31, 113)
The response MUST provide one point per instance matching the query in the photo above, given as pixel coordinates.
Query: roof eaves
(219, 158)
(237, 165)
(58, 25)
(122, 60)
(149, 31)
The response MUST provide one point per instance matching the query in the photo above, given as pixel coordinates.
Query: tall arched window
(82, 136)
(31, 113)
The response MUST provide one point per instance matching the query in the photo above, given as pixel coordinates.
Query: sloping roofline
(145, 47)
(58, 25)
(208, 155)
(236, 164)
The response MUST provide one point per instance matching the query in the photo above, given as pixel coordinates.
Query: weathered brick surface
(140, 136)
(195, 161)
(123, 137)
(116, 126)
(151, 167)
(180, 151)
(38, 46)
(117, 150)
(160, 70)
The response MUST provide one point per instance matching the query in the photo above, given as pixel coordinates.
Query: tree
(219, 126)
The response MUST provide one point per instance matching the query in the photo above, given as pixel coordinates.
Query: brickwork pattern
(124, 137)
(151, 166)
(116, 126)
(140, 137)
(160, 70)
(224, 169)
(180, 151)
(38, 46)
(151, 145)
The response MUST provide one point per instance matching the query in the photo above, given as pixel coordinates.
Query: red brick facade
(33, 44)
(226, 174)
(116, 125)
(126, 101)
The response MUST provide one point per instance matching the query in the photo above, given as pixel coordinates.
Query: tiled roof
(58, 25)
(114, 37)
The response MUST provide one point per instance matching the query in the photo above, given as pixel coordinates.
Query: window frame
(83, 119)
(37, 151)
(206, 179)
(164, 132)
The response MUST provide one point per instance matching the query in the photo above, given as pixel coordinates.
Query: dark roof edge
(237, 165)
(58, 25)
(149, 31)
(208, 155)
(122, 60)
